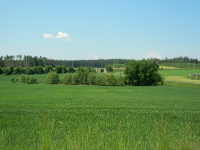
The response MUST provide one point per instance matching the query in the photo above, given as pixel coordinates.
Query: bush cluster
(12, 80)
(52, 78)
(142, 72)
(35, 70)
(1, 70)
(109, 68)
(85, 78)
(9, 70)
(26, 79)
(137, 73)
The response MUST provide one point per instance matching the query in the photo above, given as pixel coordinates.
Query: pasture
(181, 76)
(180, 72)
(42, 116)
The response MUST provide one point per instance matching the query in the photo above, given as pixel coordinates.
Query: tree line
(29, 61)
(137, 73)
(32, 61)
(38, 70)
(38, 65)
(178, 60)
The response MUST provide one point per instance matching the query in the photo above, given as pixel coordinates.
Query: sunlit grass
(182, 79)
(182, 72)
(166, 67)
(45, 116)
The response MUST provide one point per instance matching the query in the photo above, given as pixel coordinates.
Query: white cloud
(46, 36)
(153, 55)
(63, 36)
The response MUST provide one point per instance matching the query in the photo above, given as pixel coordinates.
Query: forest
(29, 61)
(32, 61)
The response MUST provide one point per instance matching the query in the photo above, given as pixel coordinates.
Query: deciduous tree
(52, 78)
(109, 68)
(48, 68)
(142, 72)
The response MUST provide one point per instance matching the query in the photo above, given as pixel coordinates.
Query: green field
(42, 116)
(181, 76)
(181, 72)
(181, 65)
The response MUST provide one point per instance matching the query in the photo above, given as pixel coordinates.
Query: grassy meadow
(180, 72)
(42, 116)
(181, 76)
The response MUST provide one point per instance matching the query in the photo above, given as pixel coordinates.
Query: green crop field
(181, 76)
(181, 65)
(42, 116)
(181, 72)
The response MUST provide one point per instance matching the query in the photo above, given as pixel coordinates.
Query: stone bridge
(100, 69)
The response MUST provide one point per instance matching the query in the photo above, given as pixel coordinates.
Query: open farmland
(181, 76)
(42, 116)
(180, 72)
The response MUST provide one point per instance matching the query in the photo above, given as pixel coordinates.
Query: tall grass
(44, 116)
(52, 134)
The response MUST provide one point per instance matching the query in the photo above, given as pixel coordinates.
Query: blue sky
(91, 29)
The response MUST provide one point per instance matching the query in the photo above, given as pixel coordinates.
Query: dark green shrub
(58, 69)
(159, 79)
(17, 71)
(64, 69)
(110, 80)
(82, 76)
(31, 80)
(120, 81)
(22, 79)
(1, 70)
(35, 70)
(27, 79)
(9, 70)
(48, 68)
(70, 69)
(75, 79)
(142, 72)
(6, 71)
(12, 80)
(38, 70)
(22, 70)
(100, 80)
(90, 69)
(52, 78)
(131, 71)
(80, 69)
(109, 68)
(91, 79)
(67, 79)
(29, 71)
